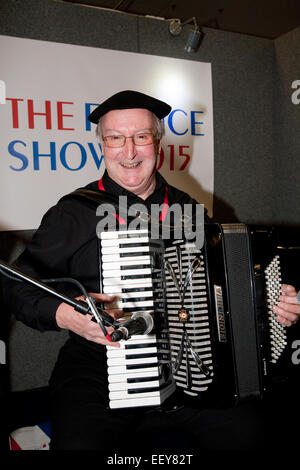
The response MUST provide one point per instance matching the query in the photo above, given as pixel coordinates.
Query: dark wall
(286, 187)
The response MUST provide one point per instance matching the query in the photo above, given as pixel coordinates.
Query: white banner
(48, 147)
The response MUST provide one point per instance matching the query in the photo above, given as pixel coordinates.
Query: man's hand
(288, 308)
(68, 318)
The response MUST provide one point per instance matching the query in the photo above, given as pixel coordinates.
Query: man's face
(131, 166)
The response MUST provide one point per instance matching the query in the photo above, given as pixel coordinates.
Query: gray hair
(158, 124)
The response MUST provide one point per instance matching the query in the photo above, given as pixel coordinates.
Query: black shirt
(65, 245)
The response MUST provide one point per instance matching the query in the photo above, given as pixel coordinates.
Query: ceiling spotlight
(193, 41)
(195, 36)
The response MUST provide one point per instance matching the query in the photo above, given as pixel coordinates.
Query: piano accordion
(216, 339)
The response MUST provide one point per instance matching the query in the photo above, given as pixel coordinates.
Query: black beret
(130, 99)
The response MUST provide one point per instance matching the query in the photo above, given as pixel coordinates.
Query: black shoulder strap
(95, 198)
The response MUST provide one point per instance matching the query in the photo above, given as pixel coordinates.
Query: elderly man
(65, 245)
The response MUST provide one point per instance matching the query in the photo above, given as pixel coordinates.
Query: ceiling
(263, 18)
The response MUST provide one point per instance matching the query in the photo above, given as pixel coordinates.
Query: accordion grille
(188, 292)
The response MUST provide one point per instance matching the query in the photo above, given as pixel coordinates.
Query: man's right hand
(68, 318)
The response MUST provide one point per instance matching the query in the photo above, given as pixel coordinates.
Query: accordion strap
(94, 198)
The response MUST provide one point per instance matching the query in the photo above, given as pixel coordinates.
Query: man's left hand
(288, 308)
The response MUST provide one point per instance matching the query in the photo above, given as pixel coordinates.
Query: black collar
(156, 197)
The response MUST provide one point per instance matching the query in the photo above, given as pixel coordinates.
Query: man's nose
(130, 148)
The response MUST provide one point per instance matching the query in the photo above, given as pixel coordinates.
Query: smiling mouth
(131, 165)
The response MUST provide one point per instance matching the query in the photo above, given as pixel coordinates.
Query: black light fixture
(195, 36)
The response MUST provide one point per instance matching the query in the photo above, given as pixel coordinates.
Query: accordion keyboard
(139, 372)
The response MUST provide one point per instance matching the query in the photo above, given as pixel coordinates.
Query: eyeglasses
(118, 140)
